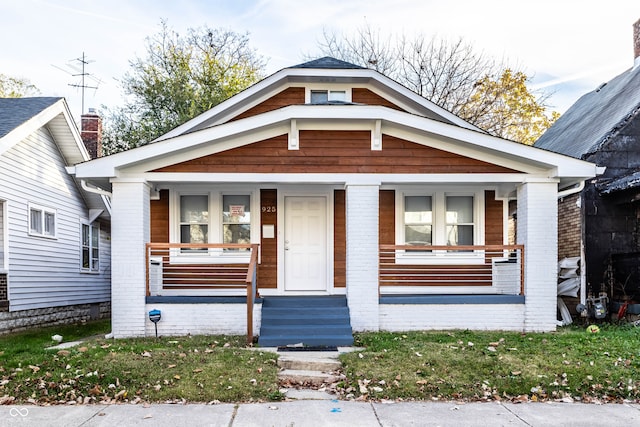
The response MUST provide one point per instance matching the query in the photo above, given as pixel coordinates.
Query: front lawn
(568, 365)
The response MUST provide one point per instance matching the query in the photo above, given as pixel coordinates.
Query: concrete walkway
(317, 413)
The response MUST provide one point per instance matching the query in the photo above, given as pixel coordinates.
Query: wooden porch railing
(204, 267)
(497, 266)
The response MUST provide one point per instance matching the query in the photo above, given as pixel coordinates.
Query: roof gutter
(573, 190)
(106, 195)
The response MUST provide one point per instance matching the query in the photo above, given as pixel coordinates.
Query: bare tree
(452, 75)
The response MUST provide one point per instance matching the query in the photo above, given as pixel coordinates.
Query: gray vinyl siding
(45, 272)
(1, 235)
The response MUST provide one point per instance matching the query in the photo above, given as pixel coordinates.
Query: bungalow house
(603, 219)
(54, 235)
(337, 184)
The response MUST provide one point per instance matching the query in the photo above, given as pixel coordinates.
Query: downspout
(106, 195)
(583, 274)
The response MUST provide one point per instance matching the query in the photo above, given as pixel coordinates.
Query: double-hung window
(42, 221)
(194, 219)
(236, 219)
(439, 218)
(90, 248)
(418, 220)
(213, 217)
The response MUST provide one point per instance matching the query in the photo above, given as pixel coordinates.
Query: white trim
(376, 136)
(214, 225)
(44, 211)
(438, 225)
(417, 129)
(91, 225)
(334, 178)
(294, 136)
(327, 87)
(4, 229)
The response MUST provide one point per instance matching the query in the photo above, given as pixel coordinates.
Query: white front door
(305, 243)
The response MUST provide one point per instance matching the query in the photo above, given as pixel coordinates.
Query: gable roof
(21, 117)
(328, 62)
(320, 71)
(16, 111)
(595, 117)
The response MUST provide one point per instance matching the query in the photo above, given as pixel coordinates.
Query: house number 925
(268, 209)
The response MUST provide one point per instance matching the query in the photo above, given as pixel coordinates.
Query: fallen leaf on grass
(177, 377)
(171, 366)
(83, 349)
(146, 354)
(34, 368)
(197, 371)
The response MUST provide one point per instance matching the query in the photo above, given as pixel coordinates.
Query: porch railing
(495, 268)
(200, 268)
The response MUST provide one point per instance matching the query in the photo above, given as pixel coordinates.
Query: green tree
(179, 78)
(453, 75)
(16, 87)
(505, 107)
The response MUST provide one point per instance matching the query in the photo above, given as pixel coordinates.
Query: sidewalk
(315, 413)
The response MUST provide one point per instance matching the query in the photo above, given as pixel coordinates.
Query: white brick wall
(538, 231)
(479, 317)
(129, 233)
(203, 319)
(362, 256)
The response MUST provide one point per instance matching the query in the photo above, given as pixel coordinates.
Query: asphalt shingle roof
(16, 111)
(589, 123)
(329, 63)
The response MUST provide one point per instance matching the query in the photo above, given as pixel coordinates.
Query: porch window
(212, 217)
(439, 218)
(90, 248)
(418, 220)
(194, 219)
(459, 220)
(42, 221)
(236, 219)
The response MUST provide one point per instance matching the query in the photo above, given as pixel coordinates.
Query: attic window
(324, 96)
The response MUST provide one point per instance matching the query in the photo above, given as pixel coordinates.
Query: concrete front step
(305, 377)
(309, 363)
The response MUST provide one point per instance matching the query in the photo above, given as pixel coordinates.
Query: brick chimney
(636, 44)
(91, 133)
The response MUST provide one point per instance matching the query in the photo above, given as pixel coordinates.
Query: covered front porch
(216, 288)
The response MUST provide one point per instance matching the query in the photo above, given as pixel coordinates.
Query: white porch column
(129, 234)
(362, 255)
(538, 231)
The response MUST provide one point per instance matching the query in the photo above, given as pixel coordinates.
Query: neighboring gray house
(54, 235)
(603, 127)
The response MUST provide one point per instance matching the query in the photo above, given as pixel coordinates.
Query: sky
(569, 47)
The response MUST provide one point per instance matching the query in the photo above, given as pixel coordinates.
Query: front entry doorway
(305, 243)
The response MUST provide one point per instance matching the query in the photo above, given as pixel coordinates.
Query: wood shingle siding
(160, 218)
(335, 152)
(366, 96)
(494, 221)
(268, 267)
(289, 96)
